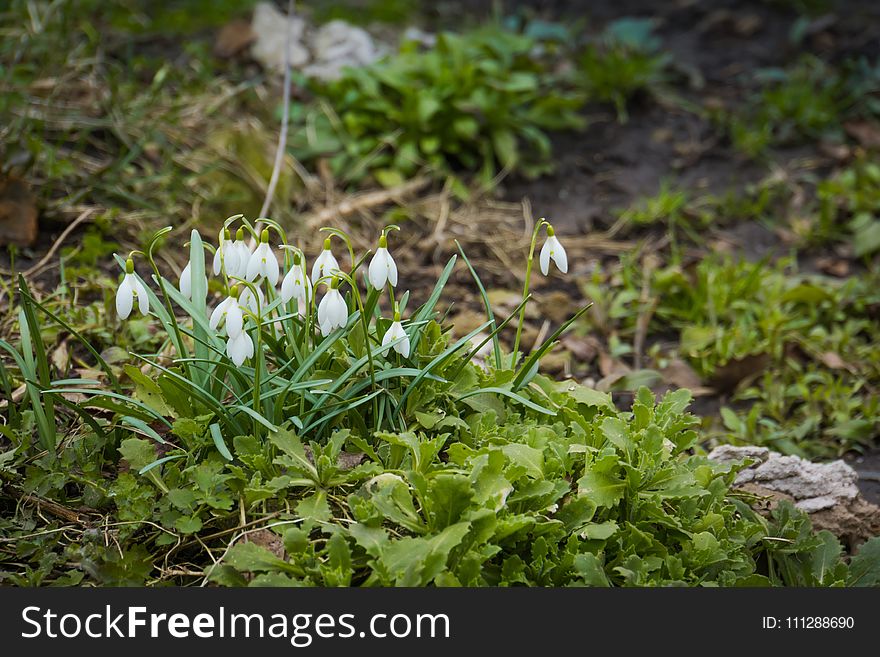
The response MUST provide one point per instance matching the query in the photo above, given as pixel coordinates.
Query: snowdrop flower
(296, 285)
(382, 267)
(251, 302)
(263, 262)
(228, 312)
(396, 331)
(226, 255)
(240, 348)
(241, 255)
(332, 311)
(130, 288)
(185, 285)
(553, 250)
(325, 264)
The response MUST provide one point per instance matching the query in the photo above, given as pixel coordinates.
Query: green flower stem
(365, 322)
(167, 300)
(525, 294)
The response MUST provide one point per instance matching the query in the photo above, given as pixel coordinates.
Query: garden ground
(718, 205)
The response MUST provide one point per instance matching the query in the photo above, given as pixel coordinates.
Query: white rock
(813, 486)
(269, 25)
(318, 52)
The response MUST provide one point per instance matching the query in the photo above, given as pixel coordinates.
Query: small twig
(51, 252)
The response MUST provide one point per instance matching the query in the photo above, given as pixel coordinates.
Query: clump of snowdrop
(252, 324)
(130, 288)
(382, 269)
(259, 362)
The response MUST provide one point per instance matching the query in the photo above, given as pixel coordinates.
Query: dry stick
(70, 228)
(285, 120)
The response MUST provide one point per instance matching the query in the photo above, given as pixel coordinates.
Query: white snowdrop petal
(217, 259)
(253, 266)
(392, 271)
(240, 348)
(271, 268)
(325, 265)
(141, 293)
(560, 257)
(234, 321)
(378, 271)
(186, 282)
(403, 347)
(544, 258)
(287, 286)
(217, 316)
(124, 297)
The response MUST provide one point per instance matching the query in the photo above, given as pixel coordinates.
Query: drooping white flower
(242, 256)
(296, 285)
(240, 348)
(325, 264)
(382, 267)
(332, 311)
(251, 302)
(263, 262)
(185, 285)
(228, 314)
(226, 256)
(553, 250)
(130, 288)
(394, 332)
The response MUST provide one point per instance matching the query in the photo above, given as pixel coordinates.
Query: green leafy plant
(849, 203)
(479, 101)
(625, 61)
(324, 453)
(808, 100)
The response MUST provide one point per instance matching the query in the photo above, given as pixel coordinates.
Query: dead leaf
(61, 357)
(608, 365)
(834, 266)
(681, 375)
(867, 133)
(503, 302)
(557, 306)
(555, 362)
(269, 540)
(839, 152)
(728, 376)
(833, 360)
(583, 349)
(18, 212)
(233, 37)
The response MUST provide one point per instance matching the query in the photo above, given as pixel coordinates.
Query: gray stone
(828, 492)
